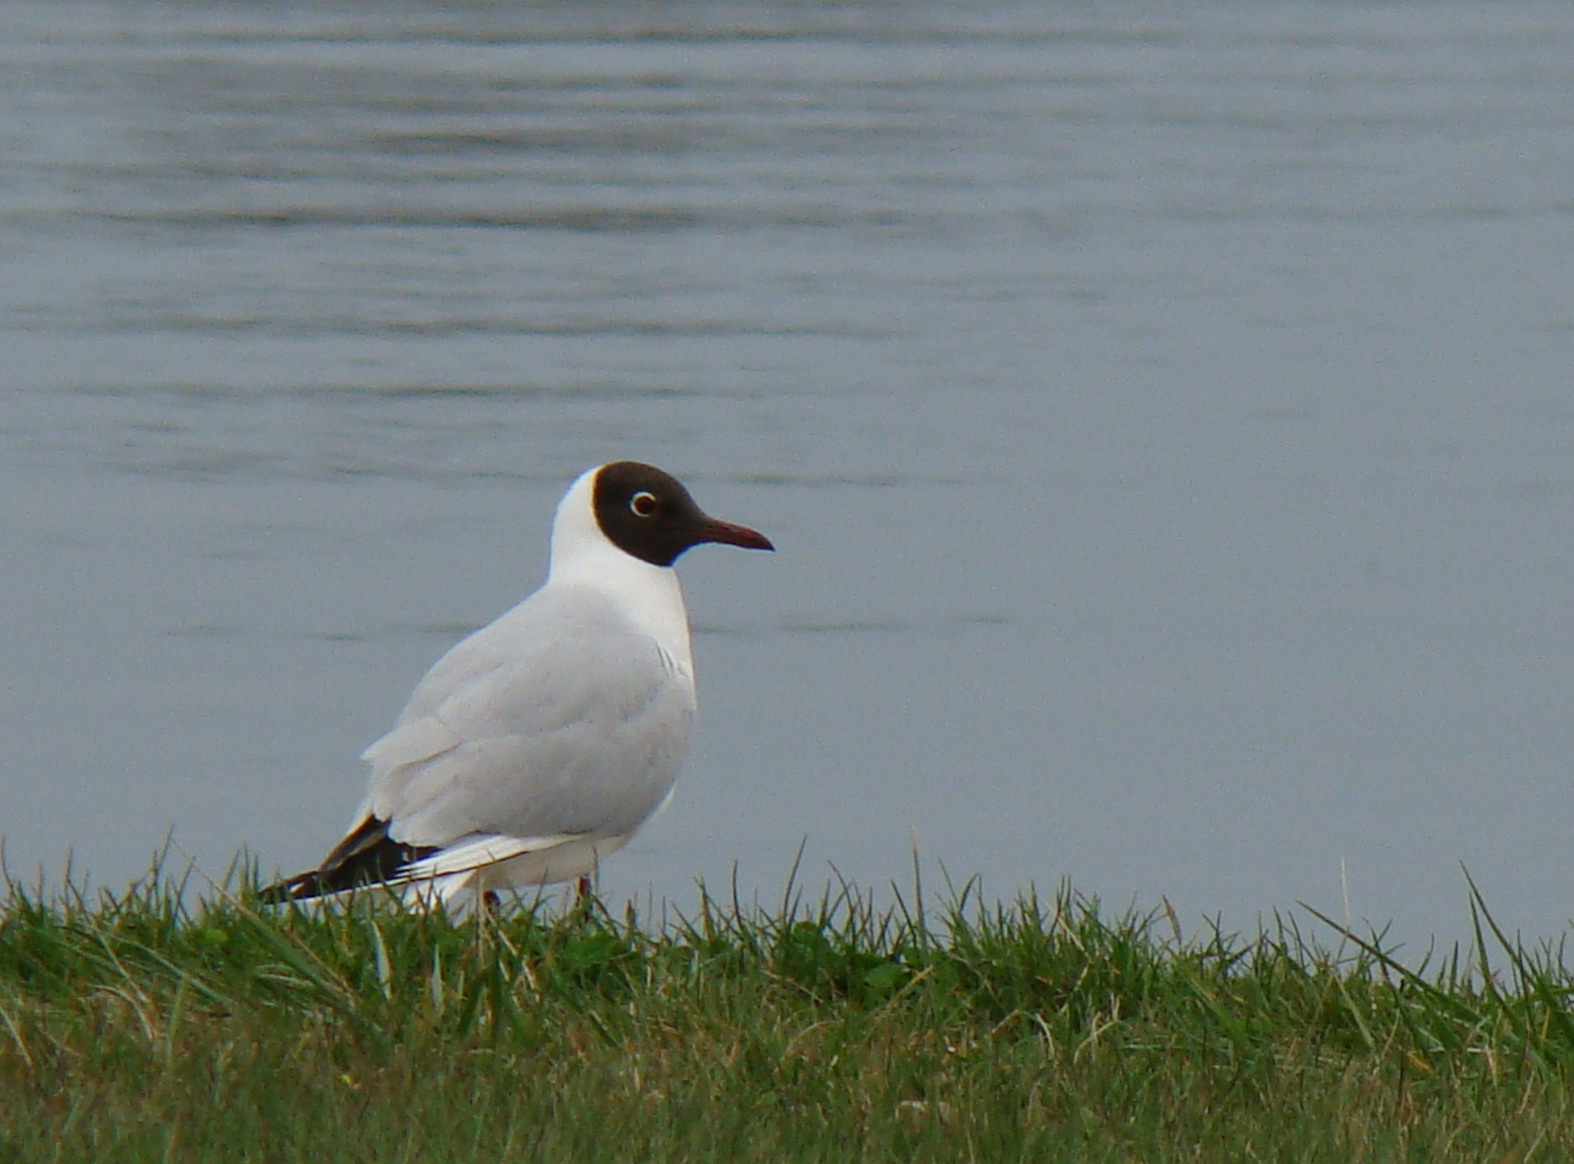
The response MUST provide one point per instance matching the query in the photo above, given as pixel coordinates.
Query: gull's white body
(537, 746)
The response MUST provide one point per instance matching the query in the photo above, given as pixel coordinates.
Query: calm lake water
(1163, 413)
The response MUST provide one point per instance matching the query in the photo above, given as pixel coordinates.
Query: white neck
(582, 556)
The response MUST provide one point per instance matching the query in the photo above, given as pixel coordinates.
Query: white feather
(540, 743)
(580, 730)
(560, 726)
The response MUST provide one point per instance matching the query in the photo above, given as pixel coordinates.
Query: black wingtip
(366, 856)
(298, 888)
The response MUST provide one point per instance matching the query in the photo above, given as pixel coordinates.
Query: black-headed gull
(539, 744)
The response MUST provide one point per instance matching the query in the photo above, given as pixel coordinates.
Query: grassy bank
(132, 1028)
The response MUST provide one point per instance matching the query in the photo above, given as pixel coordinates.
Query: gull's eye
(644, 504)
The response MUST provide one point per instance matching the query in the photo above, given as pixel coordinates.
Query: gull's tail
(366, 856)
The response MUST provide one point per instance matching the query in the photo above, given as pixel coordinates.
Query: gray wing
(558, 719)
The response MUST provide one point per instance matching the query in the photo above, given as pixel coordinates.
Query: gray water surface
(1163, 413)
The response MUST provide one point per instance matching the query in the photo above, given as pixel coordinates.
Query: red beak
(724, 532)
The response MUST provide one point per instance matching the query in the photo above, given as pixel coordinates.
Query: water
(1163, 414)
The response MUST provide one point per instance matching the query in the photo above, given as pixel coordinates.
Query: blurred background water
(1163, 414)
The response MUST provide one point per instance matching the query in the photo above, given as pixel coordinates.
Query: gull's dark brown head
(649, 514)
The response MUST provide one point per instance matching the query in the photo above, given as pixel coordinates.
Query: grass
(134, 1027)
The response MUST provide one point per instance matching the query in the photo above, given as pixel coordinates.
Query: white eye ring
(643, 504)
